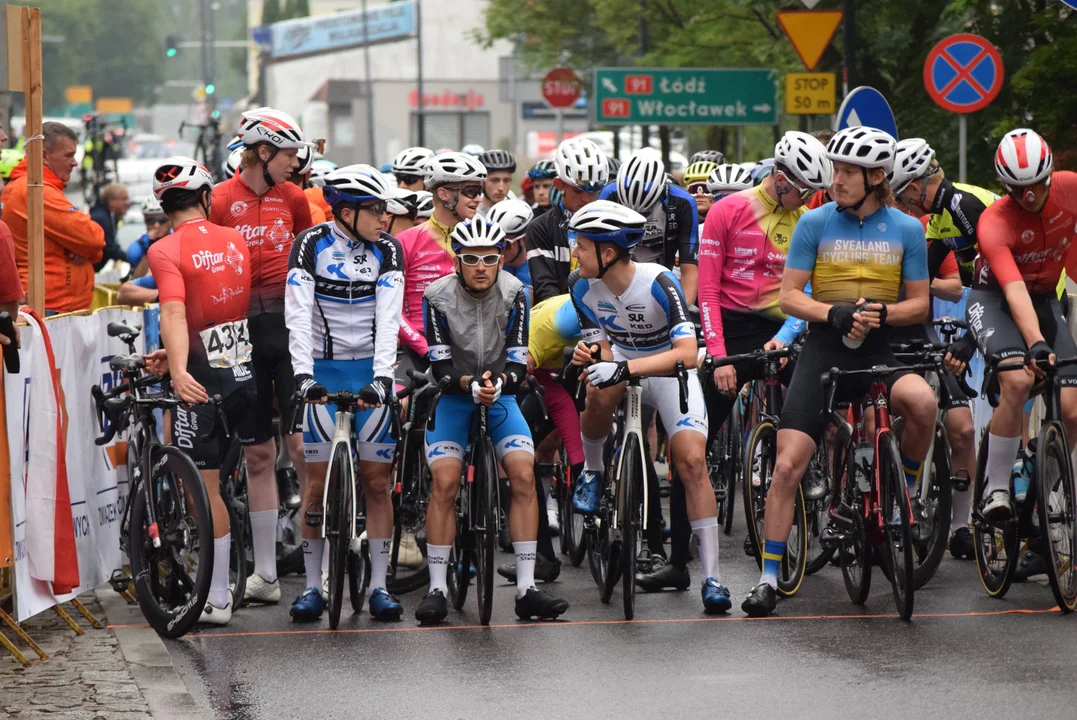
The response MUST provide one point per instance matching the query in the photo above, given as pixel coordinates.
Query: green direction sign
(685, 96)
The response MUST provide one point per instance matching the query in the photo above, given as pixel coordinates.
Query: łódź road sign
(963, 73)
(867, 107)
(685, 96)
(810, 93)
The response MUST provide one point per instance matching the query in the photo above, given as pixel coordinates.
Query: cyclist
(476, 327)
(713, 156)
(409, 167)
(500, 165)
(424, 204)
(542, 175)
(403, 211)
(301, 179)
(672, 223)
(514, 216)
(582, 172)
(634, 321)
(231, 163)
(695, 182)
(268, 211)
(157, 226)
(205, 278)
(344, 295)
(727, 179)
(1013, 310)
(858, 253)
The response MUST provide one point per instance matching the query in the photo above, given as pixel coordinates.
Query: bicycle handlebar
(756, 356)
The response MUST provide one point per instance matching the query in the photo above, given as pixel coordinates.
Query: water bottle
(851, 343)
(862, 456)
(1022, 471)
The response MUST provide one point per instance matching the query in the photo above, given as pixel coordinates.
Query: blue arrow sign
(866, 106)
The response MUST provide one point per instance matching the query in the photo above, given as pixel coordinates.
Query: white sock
(379, 561)
(264, 539)
(312, 562)
(218, 584)
(1001, 452)
(706, 531)
(593, 450)
(437, 559)
(962, 509)
(526, 554)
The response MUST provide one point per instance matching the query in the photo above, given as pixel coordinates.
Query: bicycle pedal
(314, 518)
(960, 483)
(831, 538)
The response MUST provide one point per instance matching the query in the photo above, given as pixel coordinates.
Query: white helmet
(478, 232)
(180, 173)
(863, 146)
(453, 167)
(641, 182)
(1023, 158)
(473, 149)
(404, 202)
(231, 163)
(512, 215)
(151, 206)
(581, 164)
(266, 125)
(318, 174)
(411, 161)
(728, 179)
(606, 221)
(306, 157)
(355, 184)
(806, 158)
(912, 158)
(424, 203)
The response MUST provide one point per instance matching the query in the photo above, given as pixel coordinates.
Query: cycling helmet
(404, 202)
(543, 170)
(452, 167)
(411, 161)
(266, 125)
(707, 156)
(424, 203)
(512, 215)
(581, 164)
(231, 163)
(864, 146)
(180, 173)
(806, 158)
(608, 222)
(473, 149)
(698, 172)
(477, 233)
(317, 175)
(151, 206)
(305, 155)
(498, 161)
(762, 169)
(614, 166)
(642, 181)
(355, 184)
(726, 179)
(912, 161)
(1023, 158)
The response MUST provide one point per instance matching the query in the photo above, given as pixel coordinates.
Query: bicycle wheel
(929, 544)
(408, 569)
(794, 564)
(359, 558)
(631, 521)
(855, 556)
(461, 560)
(573, 526)
(238, 571)
(1055, 505)
(486, 511)
(996, 548)
(338, 520)
(609, 542)
(896, 547)
(172, 581)
(759, 456)
(817, 512)
(722, 473)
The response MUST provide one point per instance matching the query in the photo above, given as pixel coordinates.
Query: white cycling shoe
(260, 590)
(213, 615)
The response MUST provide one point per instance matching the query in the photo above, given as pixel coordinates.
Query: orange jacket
(73, 241)
(316, 198)
(316, 215)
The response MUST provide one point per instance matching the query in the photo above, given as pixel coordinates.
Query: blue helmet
(355, 184)
(604, 221)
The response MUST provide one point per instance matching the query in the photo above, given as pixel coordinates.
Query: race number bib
(227, 344)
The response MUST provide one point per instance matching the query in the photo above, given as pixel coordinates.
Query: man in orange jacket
(73, 241)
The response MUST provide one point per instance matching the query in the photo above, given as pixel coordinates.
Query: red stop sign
(561, 87)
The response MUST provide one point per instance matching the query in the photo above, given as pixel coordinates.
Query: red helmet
(181, 173)
(266, 125)
(1023, 158)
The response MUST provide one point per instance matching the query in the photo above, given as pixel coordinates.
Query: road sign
(963, 73)
(561, 87)
(866, 106)
(810, 31)
(685, 96)
(810, 93)
(118, 106)
(810, 3)
(78, 94)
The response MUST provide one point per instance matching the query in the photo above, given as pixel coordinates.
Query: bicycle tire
(631, 521)
(896, 547)
(573, 526)
(996, 548)
(595, 553)
(1055, 505)
(610, 544)
(290, 548)
(792, 570)
(338, 529)
(756, 480)
(817, 512)
(397, 582)
(735, 455)
(188, 597)
(358, 575)
(936, 512)
(486, 477)
(237, 553)
(855, 557)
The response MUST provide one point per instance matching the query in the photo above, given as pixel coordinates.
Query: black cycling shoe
(760, 602)
(1030, 564)
(662, 577)
(288, 488)
(540, 604)
(961, 545)
(748, 546)
(433, 609)
(545, 570)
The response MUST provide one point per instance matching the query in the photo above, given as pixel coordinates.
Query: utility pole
(369, 87)
(644, 130)
(419, 51)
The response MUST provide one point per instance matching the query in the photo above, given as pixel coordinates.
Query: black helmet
(614, 165)
(498, 161)
(707, 155)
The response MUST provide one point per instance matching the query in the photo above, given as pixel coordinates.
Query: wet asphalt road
(962, 656)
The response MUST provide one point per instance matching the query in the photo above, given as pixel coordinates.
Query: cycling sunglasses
(468, 191)
(699, 188)
(473, 260)
(157, 220)
(805, 193)
(376, 208)
(408, 179)
(589, 188)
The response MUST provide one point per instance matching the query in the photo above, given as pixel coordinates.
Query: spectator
(109, 213)
(73, 241)
(157, 226)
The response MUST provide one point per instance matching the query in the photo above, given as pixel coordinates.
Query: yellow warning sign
(114, 105)
(810, 32)
(78, 94)
(810, 93)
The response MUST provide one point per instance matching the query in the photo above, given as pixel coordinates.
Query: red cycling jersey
(205, 267)
(427, 256)
(1033, 247)
(268, 223)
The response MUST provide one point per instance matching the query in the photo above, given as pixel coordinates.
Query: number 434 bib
(227, 344)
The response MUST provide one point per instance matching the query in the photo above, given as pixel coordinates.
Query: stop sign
(561, 87)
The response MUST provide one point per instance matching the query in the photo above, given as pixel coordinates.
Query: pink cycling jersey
(427, 257)
(741, 260)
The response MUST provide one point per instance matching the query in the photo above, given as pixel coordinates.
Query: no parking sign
(963, 73)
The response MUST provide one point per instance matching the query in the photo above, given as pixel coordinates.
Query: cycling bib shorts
(371, 427)
(506, 426)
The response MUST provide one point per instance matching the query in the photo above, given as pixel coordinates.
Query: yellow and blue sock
(912, 470)
(773, 552)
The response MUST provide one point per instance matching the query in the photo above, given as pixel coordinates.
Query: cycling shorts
(371, 427)
(805, 402)
(950, 393)
(273, 375)
(664, 395)
(195, 429)
(455, 413)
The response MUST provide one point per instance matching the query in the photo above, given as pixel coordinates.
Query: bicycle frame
(342, 435)
(633, 425)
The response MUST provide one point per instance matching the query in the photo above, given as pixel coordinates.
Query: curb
(149, 660)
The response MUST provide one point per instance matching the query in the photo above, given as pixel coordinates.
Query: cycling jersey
(428, 256)
(1031, 247)
(268, 223)
(549, 254)
(343, 299)
(954, 215)
(672, 229)
(554, 327)
(137, 250)
(742, 258)
(850, 258)
(316, 197)
(521, 273)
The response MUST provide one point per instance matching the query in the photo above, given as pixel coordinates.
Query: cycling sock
(379, 561)
(962, 508)
(1001, 452)
(912, 470)
(437, 559)
(312, 562)
(525, 566)
(773, 552)
(264, 539)
(706, 529)
(218, 584)
(593, 451)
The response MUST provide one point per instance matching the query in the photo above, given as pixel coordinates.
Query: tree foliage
(271, 12)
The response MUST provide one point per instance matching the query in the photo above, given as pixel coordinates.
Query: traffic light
(210, 89)
(171, 45)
